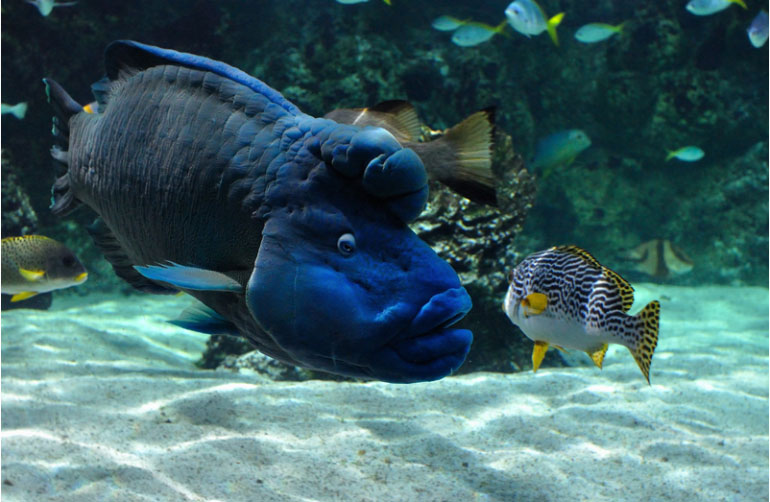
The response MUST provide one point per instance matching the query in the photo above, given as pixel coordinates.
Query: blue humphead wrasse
(292, 230)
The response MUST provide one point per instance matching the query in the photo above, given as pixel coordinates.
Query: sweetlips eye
(346, 244)
(68, 261)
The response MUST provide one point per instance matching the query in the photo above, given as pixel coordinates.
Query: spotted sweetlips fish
(291, 230)
(564, 297)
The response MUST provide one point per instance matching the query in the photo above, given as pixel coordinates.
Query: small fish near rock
(291, 230)
(659, 258)
(528, 18)
(564, 297)
(597, 32)
(708, 7)
(34, 264)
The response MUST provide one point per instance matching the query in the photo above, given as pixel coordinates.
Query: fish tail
(20, 110)
(619, 28)
(551, 25)
(64, 108)
(740, 2)
(670, 155)
(470, 171)
(645, 328)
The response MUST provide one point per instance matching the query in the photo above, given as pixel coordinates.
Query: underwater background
(669, 79)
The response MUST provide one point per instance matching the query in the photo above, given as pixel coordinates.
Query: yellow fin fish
(585, 307)
(35, 264)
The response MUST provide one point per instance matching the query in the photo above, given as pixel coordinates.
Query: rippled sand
(101, 401)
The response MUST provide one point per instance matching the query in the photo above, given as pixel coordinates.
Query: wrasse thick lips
(429, 339)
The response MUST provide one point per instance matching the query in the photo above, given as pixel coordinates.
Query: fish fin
(114, 253)
(560, 348)
(619, 27)
(31, 275)
(204, 319)
(597, 356)
(624, 287)
(23, 296)
(551, 25)
(405, 121)
(534, 303)
(194, 278)
(470, 173)
(646, 327)
(387, 2)
(671, 155)
(538, 353)
(64, 108)
(740, 2)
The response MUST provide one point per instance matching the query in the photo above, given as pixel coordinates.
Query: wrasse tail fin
(647, 322)
(471, 141)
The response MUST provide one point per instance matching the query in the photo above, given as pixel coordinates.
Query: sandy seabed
(101, 402)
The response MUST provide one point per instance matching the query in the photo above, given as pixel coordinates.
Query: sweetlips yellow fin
(552, 23)
(625, 289)
(534, 303)
(646, 336)
(22, 296)
(538, 353)
(31, 275)
(598, 356)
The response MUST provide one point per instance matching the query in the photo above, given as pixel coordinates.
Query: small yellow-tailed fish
(708, 7)
(564, 297)
(597, 32)
(686, 154)
(473, 33)
(35, 264)
(558, 149)
(526, 17)
(446, 23)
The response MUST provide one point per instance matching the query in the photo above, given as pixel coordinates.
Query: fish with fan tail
(659, 258)
(34, 264)
(459, 157)
(564, 297)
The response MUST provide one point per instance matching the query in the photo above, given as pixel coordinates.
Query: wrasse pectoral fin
(22, 296)
(538, 353)
(31, 275)
(534, 303)
(185, 277)
(598, 356)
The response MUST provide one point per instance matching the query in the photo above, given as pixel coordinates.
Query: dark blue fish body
(291, 229)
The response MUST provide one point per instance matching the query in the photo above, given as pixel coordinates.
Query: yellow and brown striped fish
(564, 297)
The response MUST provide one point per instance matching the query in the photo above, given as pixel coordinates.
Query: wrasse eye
(346, 244)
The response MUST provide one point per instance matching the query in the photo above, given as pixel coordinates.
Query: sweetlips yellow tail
(552, 23)
(646, 336)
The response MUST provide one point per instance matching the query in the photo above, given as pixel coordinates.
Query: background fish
(459, 157)
(19, 110)
(558, 149)
(659, 258)
(473, 33)
(596, 32)
(708, 7)
(757, 30)
(528, 18)
(686, 154)
(446, 23)
(564, 297)
(35, 264)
